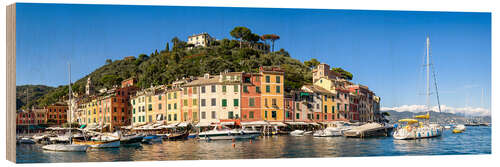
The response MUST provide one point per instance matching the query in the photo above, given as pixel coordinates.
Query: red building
(251, 97)
(56, 113)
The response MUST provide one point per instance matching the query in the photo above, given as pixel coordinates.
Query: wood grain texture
(11, 83)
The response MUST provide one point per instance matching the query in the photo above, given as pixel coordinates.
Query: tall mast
(69, 100)
(428, 85)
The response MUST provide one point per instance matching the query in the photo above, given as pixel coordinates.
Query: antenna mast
(428, 85)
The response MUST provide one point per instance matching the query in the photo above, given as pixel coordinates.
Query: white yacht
(328, 132)
(224, 133)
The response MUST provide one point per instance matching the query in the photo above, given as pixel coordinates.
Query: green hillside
(168, 64)
(34, 93)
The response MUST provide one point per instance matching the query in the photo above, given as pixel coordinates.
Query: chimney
(206, 76)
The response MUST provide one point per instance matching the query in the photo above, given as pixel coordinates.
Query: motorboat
(131, 139)
(459, 128)
(297, 133)
(25, 140)
(224, 133)
(447, 127)
(98, 143)
(328, 132)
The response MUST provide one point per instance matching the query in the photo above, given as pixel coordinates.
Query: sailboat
(67, 147)
(27, 140)
(414, 128)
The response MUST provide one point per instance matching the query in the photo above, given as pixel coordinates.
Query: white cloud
(420, 108)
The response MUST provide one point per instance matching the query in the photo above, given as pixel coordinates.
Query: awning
(203, 124)
(314, 124)
(183, 124)
(277, 123)
(297, 123)
(227, 123)
(254, 123)
(83, 126)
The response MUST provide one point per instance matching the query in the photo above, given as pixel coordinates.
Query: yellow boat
(457, 131)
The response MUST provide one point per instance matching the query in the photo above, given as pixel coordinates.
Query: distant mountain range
(442, 117)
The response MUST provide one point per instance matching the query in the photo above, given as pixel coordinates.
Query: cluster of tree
(172, 63)
(26, 95)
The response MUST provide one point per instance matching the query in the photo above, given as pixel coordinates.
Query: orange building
(56, 113)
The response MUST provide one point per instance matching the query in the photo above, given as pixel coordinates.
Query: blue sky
(383, 49)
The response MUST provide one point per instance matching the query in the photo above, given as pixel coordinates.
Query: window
(252, 102)
(265, 114)
(133, 102)
(175, 117)
(150, 118)
(203, 101)
(268, 89)
(297, 116)
(159, 97)
(133, 119)
(195, 116)
(203, 115)
(224, 102)
(169, 95)
(257, 89)
(169, 106)
(230, 115)
(203, 89)
(235, 102)
(195, 90)
(185, 102)
(278, 89)
(273, 114)
(224, 88)
(169, 117)
(236, 88)
(114, 118)
(265, 102)
(345, 107)
(185, 91)
(326, 108)
(251, 114)
(175, 106)
(195, 102)
(150, 107)
(338, 106)
(149, 99)
(175, 95)
(159, 106)
(345, 96)
(274, 102)
(278, 79)
(333, 109)
(326, 117)
(245, 89)
(317, 116)
(213, 102)
(185, 116)
(268, 79)
(213, 115)
(213, 89)
(123, 109)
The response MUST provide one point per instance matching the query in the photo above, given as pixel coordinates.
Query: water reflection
(476, 140)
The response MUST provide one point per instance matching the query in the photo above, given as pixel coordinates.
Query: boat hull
(228, 136)
(405, 134)
(99, 144)
(66, 147)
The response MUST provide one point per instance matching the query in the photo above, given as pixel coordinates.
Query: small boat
(459, 128)
(131, 139)
(308, 132)
(98, 143)
(416, 130)
(297, 133)
(447, 127)
(192, 135)
(328, 132)
(25, 140)
(224, 133)
(66, 147)
(173, 137)
(150, 139)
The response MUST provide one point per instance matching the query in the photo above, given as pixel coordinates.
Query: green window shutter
(278, 89)
(236, 88)
(251, 102)
(236, 102)
(268, 79)
(223, 88)
(224, 102)
(268, 89)
(257, 89)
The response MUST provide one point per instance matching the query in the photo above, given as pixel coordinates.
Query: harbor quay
(232, 99)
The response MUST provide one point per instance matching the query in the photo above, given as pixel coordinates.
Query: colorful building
(56, 113)
(251, 97)
(272, 96)
(173, 105)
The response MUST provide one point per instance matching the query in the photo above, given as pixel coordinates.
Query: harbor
(277, 146)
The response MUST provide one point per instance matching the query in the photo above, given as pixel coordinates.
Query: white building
(200, 40)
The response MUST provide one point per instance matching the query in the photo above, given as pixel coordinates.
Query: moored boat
(98, 143)
(459, 128)
(224, 133)
(297, 133)
(416, 130)
(66, 147)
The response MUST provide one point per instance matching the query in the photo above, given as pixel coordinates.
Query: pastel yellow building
(272, 95)
(173, 105)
